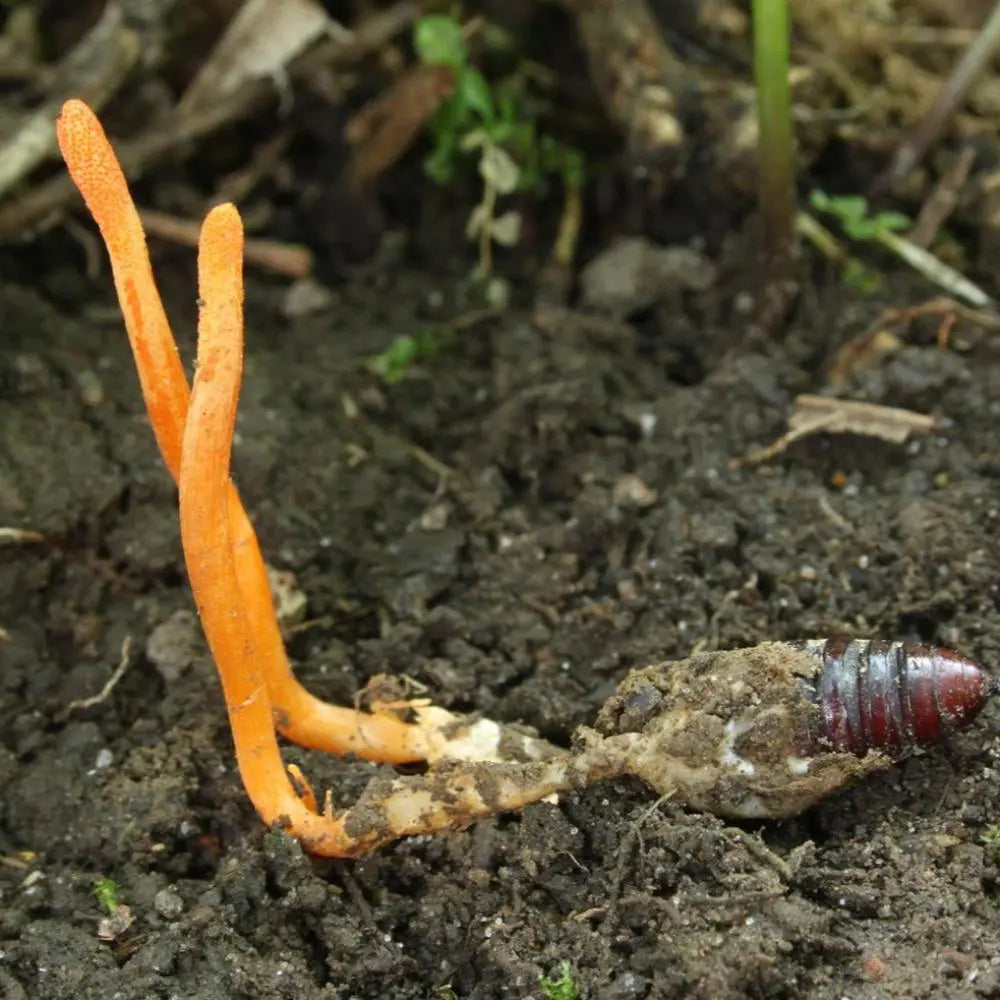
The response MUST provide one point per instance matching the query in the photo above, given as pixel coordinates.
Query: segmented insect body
(768, 731)
(891, 696)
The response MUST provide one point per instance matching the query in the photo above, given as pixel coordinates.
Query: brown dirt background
(536, 595)
(522, 586)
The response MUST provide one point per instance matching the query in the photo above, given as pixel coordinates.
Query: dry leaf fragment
(382, 131)
(826, 415)
(93, 69)
(290, 259)
(261, 40)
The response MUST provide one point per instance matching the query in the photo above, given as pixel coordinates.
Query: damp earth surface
(545, 504)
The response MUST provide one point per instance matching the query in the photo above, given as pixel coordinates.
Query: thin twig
(94, 70)
(20, 535)
(934, 269)
(936, 307)
(109, 685)
(291, 259)
(633, 833)
(178, 135)
(976, 58)
(939, 206)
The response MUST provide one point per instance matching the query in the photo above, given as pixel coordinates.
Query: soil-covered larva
(768, 731)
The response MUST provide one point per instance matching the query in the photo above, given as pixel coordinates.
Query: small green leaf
(440, 164)
(394, 362)
(106, 892)
(894, 222)
(819, 200)
(451, 122)
(438, 41)
(846, 207)
(474, 92)
(859, 228)
(851, 206)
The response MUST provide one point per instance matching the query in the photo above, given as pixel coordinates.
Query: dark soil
(524, 586)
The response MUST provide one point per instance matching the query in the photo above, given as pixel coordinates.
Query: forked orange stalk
(195, 432)
(299, 715)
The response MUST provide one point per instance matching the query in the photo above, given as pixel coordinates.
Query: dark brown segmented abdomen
(891, 696)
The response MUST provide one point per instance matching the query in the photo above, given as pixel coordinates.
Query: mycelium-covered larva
(766, 732)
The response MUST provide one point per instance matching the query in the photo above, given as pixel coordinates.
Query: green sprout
(775, 167)
(393, 363)
(884, 228)
(106, 891)
(852, 211)
(561, 988)
(492, 125)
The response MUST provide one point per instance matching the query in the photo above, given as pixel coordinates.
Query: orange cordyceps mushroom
(194, 431)
(299, 715)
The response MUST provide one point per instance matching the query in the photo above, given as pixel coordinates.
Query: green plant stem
(489, 204)
(776, 179)
(821, 238)
(831, 248)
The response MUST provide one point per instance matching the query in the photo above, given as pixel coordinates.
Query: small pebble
(631, 491)
(168, 904)
(90, 387)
